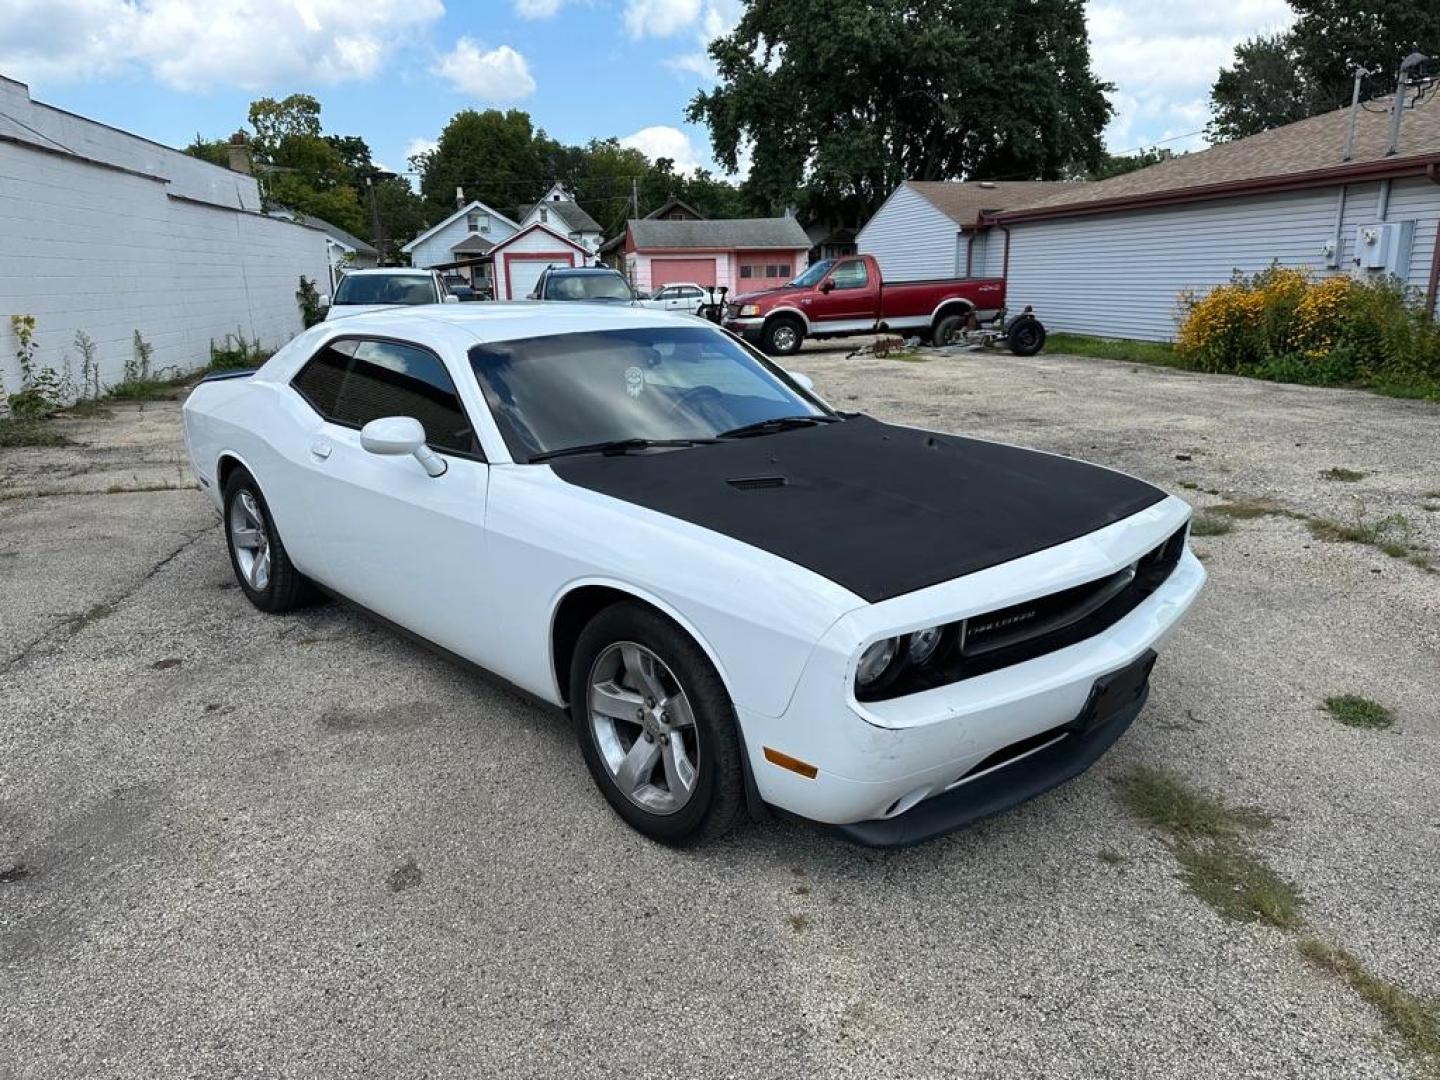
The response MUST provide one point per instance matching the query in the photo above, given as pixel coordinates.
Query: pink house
(743, 254)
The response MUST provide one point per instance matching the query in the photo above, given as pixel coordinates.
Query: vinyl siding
(1120, 274)
(910, 239)
(437, 250)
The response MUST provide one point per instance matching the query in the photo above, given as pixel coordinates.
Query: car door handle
(321, 449)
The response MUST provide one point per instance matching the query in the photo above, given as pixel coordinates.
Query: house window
(746, 270)
(477, 221)
(677, 216)
(544, 215)
(778, 270)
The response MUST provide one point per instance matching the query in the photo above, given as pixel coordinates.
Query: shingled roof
(1308, 151)
(719, 235)
(963, 201)
(575, 218)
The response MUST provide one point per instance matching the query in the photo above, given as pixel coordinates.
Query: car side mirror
(323, 300)
(802, 380)
(450, 298)
(826, 286)
(393, 436)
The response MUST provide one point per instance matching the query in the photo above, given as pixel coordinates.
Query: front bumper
(749, 329)
(880, 761)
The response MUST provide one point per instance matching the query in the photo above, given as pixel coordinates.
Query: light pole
(377, 236)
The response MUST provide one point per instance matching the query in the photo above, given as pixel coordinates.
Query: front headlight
(923, 644)
(747, 310)
(875, 661)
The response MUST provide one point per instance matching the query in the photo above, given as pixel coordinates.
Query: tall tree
(496, 157)
(843, 99)
(1280, 78)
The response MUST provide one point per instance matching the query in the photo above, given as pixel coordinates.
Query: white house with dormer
(461, 240)
(559, 212)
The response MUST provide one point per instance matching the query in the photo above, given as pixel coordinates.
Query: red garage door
(664, 271)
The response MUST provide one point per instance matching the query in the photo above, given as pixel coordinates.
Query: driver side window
(850, 275)
(351, 382)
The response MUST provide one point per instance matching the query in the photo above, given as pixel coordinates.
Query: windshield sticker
(634, 381)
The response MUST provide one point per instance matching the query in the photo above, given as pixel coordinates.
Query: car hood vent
(748, 483)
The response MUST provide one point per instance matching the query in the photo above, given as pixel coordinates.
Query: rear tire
(649, 711)
(262, 566)
(782, 336)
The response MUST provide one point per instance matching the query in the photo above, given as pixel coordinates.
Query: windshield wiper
(616, 447)
(776, 423)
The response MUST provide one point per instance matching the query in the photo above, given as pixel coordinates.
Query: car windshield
(385, 289)
(565, 391)
(587, 287)
(813, 274)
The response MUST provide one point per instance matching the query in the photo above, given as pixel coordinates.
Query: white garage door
(524, 273)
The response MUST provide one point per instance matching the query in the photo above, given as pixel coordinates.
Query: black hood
(879, 509)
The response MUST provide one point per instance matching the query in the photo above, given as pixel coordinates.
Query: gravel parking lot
(234, 844)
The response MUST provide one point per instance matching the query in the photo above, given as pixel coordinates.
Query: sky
(394, 71)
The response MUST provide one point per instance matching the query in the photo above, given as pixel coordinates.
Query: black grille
(1012, 635)
(749, 483)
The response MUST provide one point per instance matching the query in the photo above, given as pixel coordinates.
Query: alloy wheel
(250, 541)
(644, 728)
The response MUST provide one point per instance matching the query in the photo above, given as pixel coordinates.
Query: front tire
(262, 566)
(782, 337)
(656, 726)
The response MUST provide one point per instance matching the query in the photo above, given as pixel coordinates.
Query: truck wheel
(1026, 336)
(946, 330)
(782, 337)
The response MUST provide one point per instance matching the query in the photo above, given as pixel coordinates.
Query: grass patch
(798, 923)
(28, 432)
(1345, 476)
(1208, 523)
(1248, 509)
(1355, 711)
(1238, 885)
(1164, 800)
(1143, 352)
(87, 408)
(1413, 1020)
(150, 389)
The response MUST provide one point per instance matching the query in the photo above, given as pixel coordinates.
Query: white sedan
(685, 297)
(379, 288)
(742, 597)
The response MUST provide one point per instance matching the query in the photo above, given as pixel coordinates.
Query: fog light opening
(906, 802)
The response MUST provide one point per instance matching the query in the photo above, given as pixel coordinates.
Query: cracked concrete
(234, 844)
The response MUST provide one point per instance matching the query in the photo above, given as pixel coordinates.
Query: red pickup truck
(841, 297)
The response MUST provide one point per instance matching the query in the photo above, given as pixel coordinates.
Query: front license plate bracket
(1113, 693)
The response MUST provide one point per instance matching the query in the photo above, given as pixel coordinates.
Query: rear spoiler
(229, 373)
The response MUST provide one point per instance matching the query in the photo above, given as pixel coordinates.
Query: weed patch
(1164, 800)
(30, 432)
(1355, 711)
(1142, 352)
(75, 623)
(1238, 885)
(1208, 523)
(1413, 1020)
(1345, 476)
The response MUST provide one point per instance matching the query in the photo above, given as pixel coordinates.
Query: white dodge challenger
(744, 598)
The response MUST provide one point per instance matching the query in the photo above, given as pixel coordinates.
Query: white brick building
(106, 233)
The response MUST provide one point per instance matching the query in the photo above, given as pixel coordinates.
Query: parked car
(847, 296)
(678, 296)
(458, 287)
(741, 596)
(589, 283)
(385, 287)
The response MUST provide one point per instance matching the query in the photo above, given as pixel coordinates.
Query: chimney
(239, 150)
(459, 198)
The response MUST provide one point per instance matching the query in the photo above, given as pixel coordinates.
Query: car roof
(507, 320)
(406, 271)
(582, 270)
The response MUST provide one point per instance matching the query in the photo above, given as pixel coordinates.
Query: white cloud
(668, 142)
(717, 18)
(197, 44)
(537, 9)
(660, 18)
(500, 75)
(417, 146)
(1163, 55)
